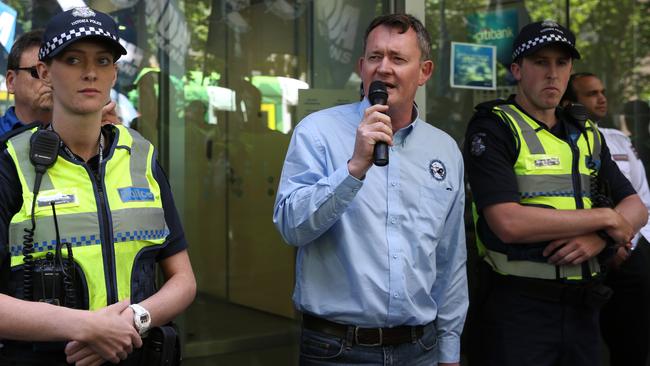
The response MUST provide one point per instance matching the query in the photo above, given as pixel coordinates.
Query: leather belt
(364, 336)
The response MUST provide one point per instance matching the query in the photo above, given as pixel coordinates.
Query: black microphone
(377, 94)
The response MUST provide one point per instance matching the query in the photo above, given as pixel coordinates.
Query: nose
(552, 71)
(384, 66)
(90, 72)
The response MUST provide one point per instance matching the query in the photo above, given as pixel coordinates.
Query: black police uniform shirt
(490, 153)
(11, 200)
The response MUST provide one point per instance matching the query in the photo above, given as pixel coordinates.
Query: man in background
(32, 98)
(624, 319)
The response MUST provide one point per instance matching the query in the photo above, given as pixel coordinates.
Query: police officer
(85, 213)
(32, 97)
(532, 168)
(628, 275)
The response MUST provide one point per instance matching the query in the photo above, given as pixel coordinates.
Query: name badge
(543, 162)
(135, 194)
(62, 197)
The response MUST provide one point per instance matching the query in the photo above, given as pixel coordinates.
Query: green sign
(496, 28)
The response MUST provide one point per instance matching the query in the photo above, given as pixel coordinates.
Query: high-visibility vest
(115, 223)
(550, 173)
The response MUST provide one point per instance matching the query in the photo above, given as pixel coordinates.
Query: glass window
(218, 86)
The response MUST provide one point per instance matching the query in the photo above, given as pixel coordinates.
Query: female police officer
(85, 212)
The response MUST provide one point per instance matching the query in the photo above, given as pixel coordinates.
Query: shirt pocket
(433, 208)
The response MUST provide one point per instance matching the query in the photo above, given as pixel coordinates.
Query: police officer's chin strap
(43, 152)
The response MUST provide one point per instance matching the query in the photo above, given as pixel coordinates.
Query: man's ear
(44, 73)
(515, 69)
(10, 80)
(426, 70)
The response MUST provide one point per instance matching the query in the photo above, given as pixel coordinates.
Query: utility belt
(502, 263)
(161, 346)
(370, 337)
(592, 293)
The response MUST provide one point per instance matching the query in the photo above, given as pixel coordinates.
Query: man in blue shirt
(380, 272)
(32, 98)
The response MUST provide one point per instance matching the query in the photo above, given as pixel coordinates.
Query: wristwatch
(141, 318)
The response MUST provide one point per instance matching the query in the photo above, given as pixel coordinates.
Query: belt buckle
(356, 338)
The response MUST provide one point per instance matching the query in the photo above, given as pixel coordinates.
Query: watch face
(144, 318)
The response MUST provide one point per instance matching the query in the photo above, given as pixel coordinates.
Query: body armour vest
(114, 221)
(551, 173)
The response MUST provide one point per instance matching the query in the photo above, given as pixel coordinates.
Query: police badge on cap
(76, 24)
(535, 36)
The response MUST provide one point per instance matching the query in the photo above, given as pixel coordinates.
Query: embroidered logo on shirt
(130, 194)
(437, 169)
(547, 162)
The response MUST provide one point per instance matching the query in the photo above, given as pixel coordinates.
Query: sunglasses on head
(32, 71)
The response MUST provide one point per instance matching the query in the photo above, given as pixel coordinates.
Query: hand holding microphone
(374, 130)
(377, 94)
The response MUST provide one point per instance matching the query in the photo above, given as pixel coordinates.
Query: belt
(364, 336)
(584, 293)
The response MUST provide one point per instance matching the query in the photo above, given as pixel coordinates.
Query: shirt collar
(399, 138)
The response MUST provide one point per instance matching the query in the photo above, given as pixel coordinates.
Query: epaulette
(16, 131)
(489, 105)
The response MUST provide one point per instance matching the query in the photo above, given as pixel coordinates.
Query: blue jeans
(319, 349)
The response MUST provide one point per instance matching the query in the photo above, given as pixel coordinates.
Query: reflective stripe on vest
(133, 203)
(545, 176)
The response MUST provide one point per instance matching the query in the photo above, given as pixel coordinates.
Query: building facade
(218, 85)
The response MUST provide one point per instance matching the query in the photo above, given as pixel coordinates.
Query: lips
(89, 91)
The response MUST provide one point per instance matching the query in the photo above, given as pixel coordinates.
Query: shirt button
(395, 295)
(393, 220)
(393, 184)
(394, 256)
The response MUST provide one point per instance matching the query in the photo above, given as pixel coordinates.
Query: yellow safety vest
(115, 224)
(547, 176)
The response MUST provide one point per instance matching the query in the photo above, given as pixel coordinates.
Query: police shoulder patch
(477, 147)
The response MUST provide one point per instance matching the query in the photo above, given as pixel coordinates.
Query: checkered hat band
(59, 40)
(537, 41)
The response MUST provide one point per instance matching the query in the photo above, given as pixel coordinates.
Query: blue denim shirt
(8, 121)
(382, 252)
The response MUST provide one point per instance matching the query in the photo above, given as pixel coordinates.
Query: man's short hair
(403, 22)
(570, 94)
(26, 41)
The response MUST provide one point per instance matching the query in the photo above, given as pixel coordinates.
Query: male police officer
(627, 312)
(532, 170)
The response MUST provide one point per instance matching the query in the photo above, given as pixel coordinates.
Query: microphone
(377, 94)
